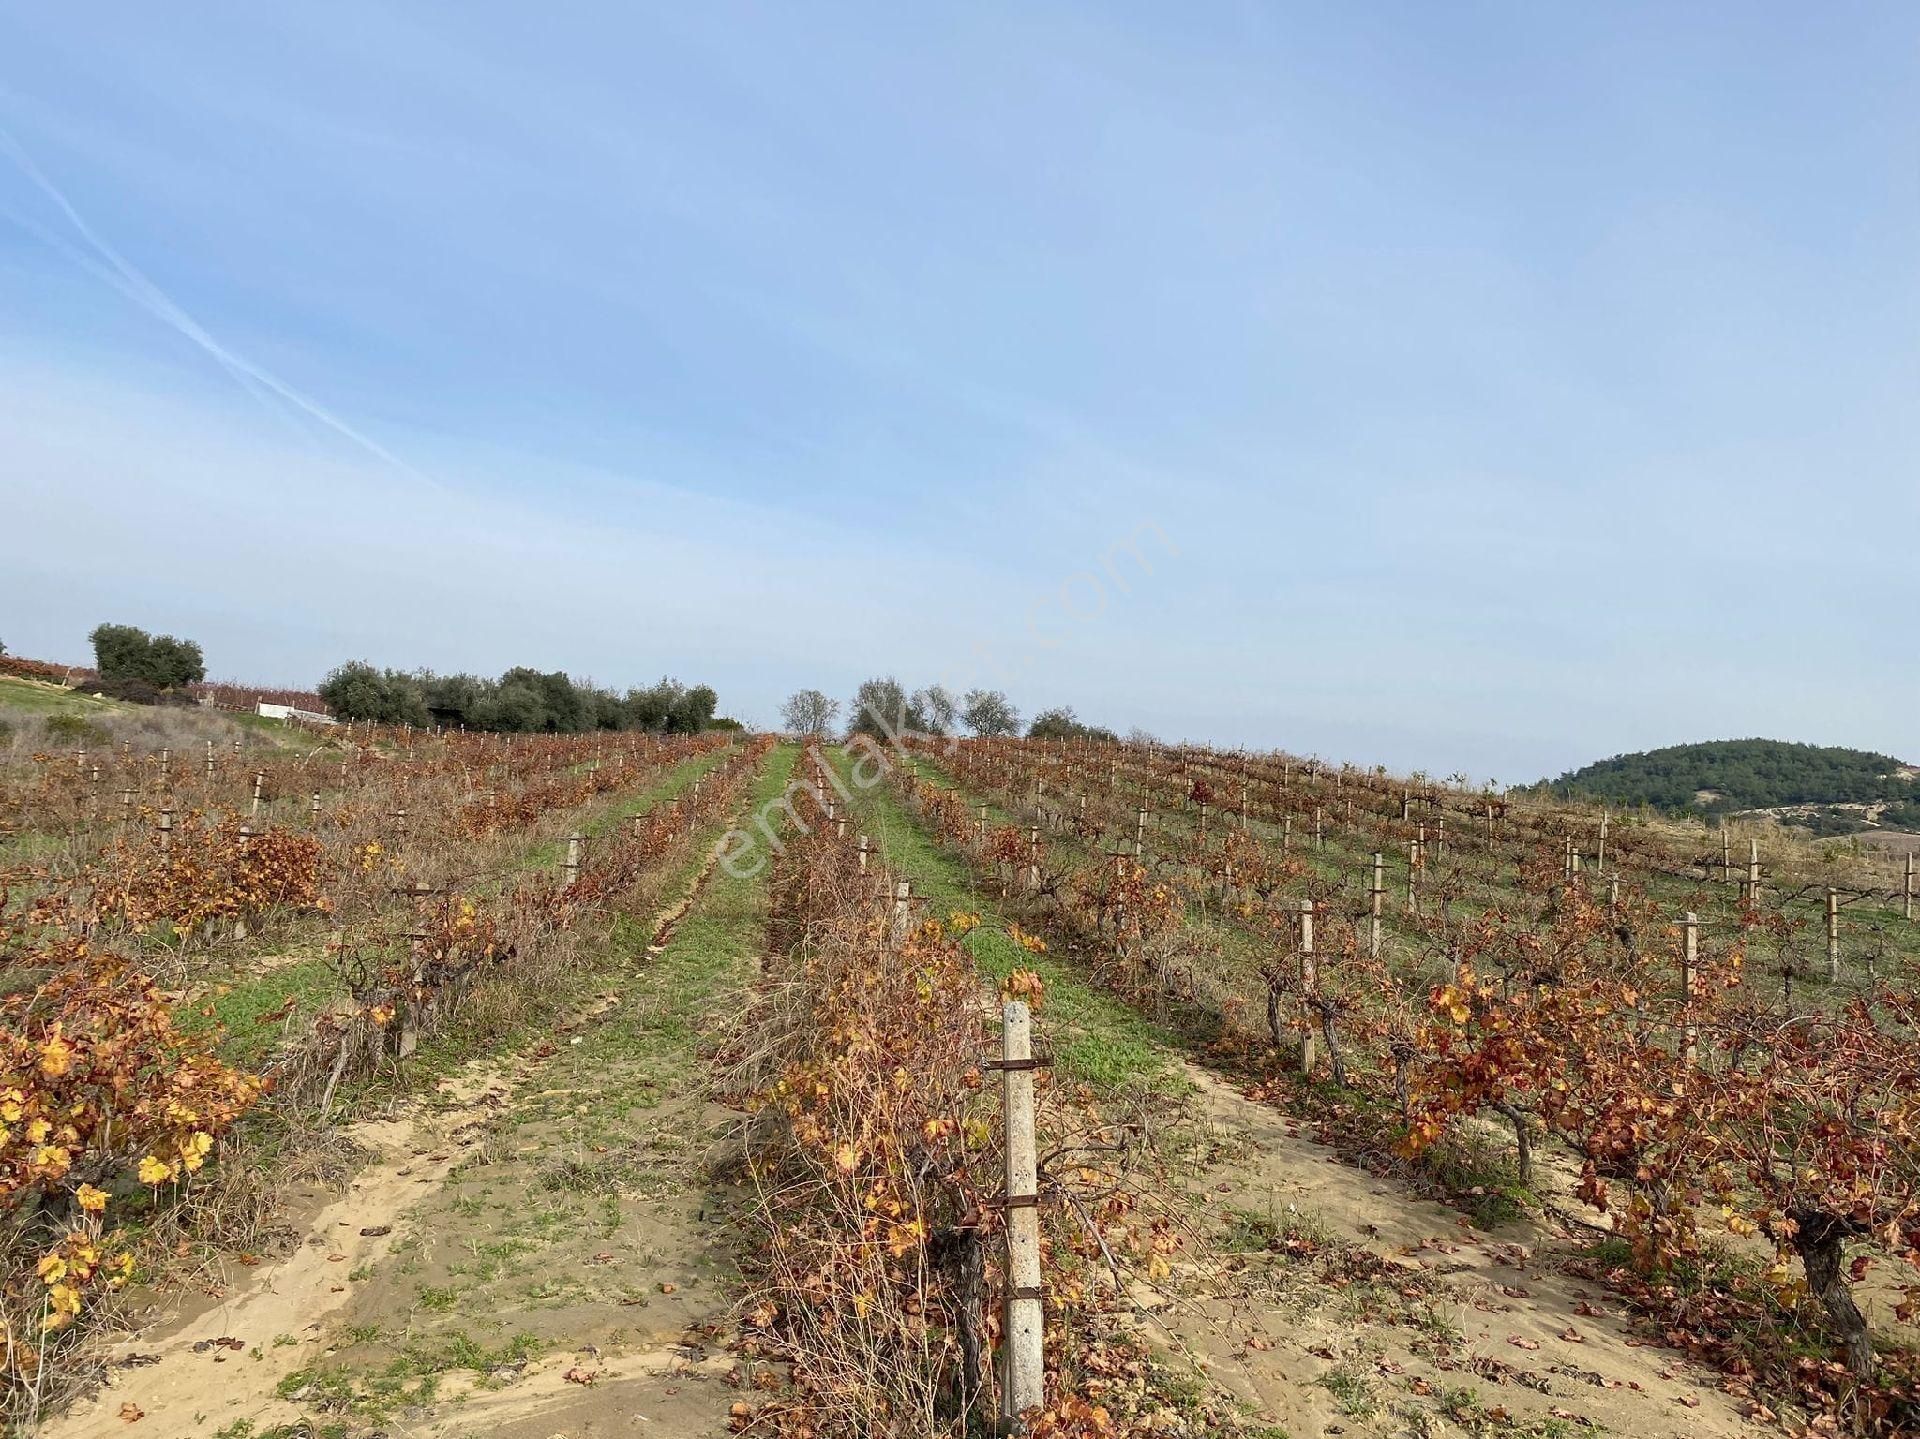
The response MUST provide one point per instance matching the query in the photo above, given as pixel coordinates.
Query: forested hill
(1739, 774)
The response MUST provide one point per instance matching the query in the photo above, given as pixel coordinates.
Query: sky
(1479, 388)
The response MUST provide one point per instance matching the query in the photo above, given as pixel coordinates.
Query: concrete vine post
(246, 849)
(209, 759)
(1140, 833)
(1907, 893)
(1833, 933)
(570, 866)
(1753, 873)
(166, 828)
(1309, 982)
(1033, 857)
(1024, 1354)
(902, 909)
(259, 782)
(1689, 969)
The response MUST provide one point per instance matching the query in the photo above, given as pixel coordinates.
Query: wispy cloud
(102, 260)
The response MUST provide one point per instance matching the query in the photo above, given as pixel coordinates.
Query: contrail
(120, 273)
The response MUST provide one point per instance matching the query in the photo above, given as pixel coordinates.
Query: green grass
(713, 945)
(1096, 1039)
(309, 983)
(27, 697)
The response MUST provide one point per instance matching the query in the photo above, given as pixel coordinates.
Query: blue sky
(1495, 386)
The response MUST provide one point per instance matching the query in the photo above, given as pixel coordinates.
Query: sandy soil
(1368, 1311)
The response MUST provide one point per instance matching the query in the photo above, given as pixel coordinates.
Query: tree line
(1721, 776)
(521, 701)
(882, 707)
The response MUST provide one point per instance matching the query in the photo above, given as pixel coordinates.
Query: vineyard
(763, 1146)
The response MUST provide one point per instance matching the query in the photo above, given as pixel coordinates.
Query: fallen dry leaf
(132, 1413)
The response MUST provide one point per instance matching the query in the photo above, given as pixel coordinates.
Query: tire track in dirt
(227, 1360)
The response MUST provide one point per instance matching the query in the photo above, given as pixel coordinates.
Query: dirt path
(226, 1359)
(533, 1250)
(1340, 1303)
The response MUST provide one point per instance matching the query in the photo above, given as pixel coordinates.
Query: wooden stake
(1376, 897)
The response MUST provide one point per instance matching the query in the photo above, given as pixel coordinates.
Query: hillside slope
(1804, 782)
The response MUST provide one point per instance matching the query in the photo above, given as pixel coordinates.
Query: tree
(933, 710)
(520, 708)
(692, 710)
(1062, 723)
(126, 652)
(879, 709)
(353, 691)
(809, 712)
(358, 691)
(989, 714)
(652, 707)
(120, 651)
(175, 663)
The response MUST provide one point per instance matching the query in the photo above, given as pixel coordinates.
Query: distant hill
(1829, 789)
